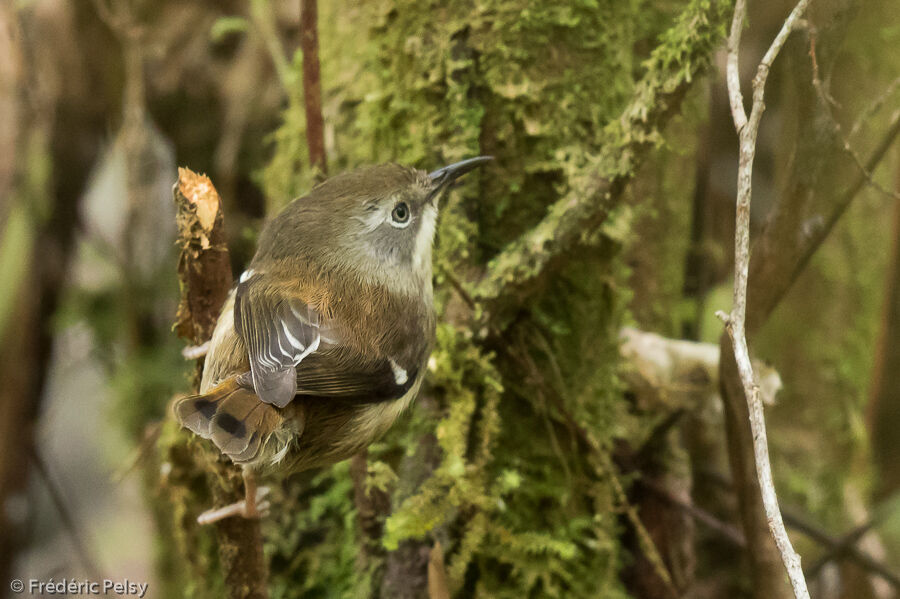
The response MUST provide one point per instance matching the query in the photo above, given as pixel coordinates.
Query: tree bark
(312, 85)
(205, 274)
(884, 403)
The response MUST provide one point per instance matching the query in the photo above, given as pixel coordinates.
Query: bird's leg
(253, 505)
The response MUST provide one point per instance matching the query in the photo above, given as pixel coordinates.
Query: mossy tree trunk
(507, 459)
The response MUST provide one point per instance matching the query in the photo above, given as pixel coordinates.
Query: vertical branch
(204, 271)
(747, 129)
(882, 418)
(312, 85)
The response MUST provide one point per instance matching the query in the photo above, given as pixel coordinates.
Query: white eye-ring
(400, 216)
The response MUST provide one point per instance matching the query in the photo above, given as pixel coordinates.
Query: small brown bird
(324, 341)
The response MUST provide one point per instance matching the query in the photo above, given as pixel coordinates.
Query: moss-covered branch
(204, 271)
(596, 188)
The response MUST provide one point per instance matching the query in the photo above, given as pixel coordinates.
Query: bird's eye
(400, 214)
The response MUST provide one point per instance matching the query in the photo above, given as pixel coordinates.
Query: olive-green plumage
(325, 339)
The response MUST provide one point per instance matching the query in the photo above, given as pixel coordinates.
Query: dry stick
(837, 546)
(874, 107)
(771, 295)
(727, 531)
(204, 271)
(840, 546)
(827, 102)
(747, 129)
(312, 85)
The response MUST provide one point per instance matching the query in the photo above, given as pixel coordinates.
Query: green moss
(540, 86)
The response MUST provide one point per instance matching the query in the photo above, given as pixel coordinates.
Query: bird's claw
(258, 508)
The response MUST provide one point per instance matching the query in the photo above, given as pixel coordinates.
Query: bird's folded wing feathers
(293, 350)
(326, 375)
(279, 332)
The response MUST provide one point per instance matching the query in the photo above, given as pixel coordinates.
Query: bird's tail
(232, 416)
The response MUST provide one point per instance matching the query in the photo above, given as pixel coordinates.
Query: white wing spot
(293, 340)
(245, 276)
(281, 347)
(312, 347)
(400, 376)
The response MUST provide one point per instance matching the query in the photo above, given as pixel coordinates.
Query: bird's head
(377, 223)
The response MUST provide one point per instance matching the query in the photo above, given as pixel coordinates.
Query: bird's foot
(255, 506)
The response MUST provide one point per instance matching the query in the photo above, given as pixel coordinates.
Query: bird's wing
(330, 375)
(294, 350)
(279, 331)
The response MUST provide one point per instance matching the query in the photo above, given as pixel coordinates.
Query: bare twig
(747, 128)
(312, 85)
(841, 547)
(645, 541)
(151, 436)
(837, 546)
(723, 529)
(827, 103)
(780, 275)
(874, 107)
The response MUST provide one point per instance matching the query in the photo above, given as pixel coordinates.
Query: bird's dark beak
(443, 177)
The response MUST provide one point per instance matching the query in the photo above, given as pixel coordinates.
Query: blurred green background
(100, 101)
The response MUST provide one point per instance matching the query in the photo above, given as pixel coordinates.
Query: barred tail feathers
(232, 416)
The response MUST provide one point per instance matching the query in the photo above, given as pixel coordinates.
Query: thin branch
(732, 69)
(842, 546)
(779, 277)
(837, 546)
(747, 129)
(827, 103)
(204, 271)
(603, 468)
(645, 541)
(312, 85)
(457, 285)
(723, 529)
(874, 107)
(147, 444)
